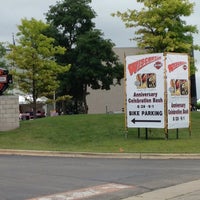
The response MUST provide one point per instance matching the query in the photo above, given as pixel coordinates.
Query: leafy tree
(2, 55)
(160, 25)
(198, 105)
(97, 65)
(93, 62)
(37, 70)
(70, 18)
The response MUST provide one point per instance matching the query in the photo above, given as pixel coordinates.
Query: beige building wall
(102, 101)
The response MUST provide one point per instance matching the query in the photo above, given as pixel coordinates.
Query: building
(111, 101)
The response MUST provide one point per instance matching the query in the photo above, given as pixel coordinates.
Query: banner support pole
(125, 99)
(165, 98)
(189, 59)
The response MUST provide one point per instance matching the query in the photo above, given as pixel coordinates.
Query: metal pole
(138, 132)
(177, 136)
(146, 130)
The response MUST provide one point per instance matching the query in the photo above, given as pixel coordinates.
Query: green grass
(97, 133)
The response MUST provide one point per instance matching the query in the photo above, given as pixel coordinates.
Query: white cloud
(13, 11)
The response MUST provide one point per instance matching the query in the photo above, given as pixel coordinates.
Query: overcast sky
(12, 11)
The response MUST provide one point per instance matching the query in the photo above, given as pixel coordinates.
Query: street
(28, 177)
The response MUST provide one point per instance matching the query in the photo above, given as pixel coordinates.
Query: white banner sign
(145, 91)
(178, 90)
(146, 76)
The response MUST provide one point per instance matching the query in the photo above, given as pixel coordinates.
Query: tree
(198, 105)
(70, 18)
(160, 25)
(37, 70)
(93, 62)
(2, 55)
(97, 66)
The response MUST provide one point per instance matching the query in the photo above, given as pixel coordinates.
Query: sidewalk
(185, 191)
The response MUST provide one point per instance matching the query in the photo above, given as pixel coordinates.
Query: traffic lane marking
(85, 192)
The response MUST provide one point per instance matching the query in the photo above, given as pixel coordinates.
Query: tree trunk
(85, 99)
(34, 108)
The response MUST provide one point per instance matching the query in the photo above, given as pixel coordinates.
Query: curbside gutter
(99, 155)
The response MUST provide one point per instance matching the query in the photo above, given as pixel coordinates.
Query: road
(27, 177)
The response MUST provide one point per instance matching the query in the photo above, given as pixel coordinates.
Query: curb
(98, 155)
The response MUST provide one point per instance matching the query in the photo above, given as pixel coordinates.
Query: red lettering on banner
(138, 65)
(175, 65)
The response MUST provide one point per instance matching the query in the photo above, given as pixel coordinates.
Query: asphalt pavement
(184, 191)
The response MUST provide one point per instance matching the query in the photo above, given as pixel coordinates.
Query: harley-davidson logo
(184, 67)
(5, 80)
(158, 65)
